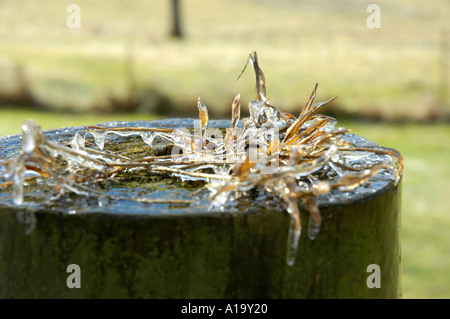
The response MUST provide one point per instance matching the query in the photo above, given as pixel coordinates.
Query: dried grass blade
(236, 111)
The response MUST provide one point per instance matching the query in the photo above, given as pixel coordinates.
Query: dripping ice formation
(300, 161)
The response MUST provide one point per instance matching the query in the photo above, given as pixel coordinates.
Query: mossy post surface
(206, 255)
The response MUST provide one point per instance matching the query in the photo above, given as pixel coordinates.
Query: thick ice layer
(39, 194)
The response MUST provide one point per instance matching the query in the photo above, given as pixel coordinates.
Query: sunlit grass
(11, 119)
(392, 71)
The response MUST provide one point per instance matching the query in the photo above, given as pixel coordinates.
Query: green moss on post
(201, 256)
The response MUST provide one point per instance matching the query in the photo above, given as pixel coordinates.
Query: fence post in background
(444, 68)
(176, 25)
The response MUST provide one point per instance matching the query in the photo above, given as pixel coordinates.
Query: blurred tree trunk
(176, 25)
(444, 66)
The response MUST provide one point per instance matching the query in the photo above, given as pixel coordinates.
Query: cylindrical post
(128, 249)
(220, 255)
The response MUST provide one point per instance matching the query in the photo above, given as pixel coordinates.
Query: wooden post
(139, 252)
(205, 255)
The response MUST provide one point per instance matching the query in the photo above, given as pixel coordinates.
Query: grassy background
(122, 52)
(391, 72)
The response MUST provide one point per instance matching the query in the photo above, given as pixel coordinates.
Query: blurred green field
(12, 118)
(389, 72)
(426, 204)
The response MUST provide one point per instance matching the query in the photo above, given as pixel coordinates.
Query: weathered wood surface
(201, 256)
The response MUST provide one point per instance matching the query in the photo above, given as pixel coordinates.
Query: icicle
(148, 137)
(99, 139)
(30, 136)
(295, 230)
(78, 142)
(315, 220)
(18, 180)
